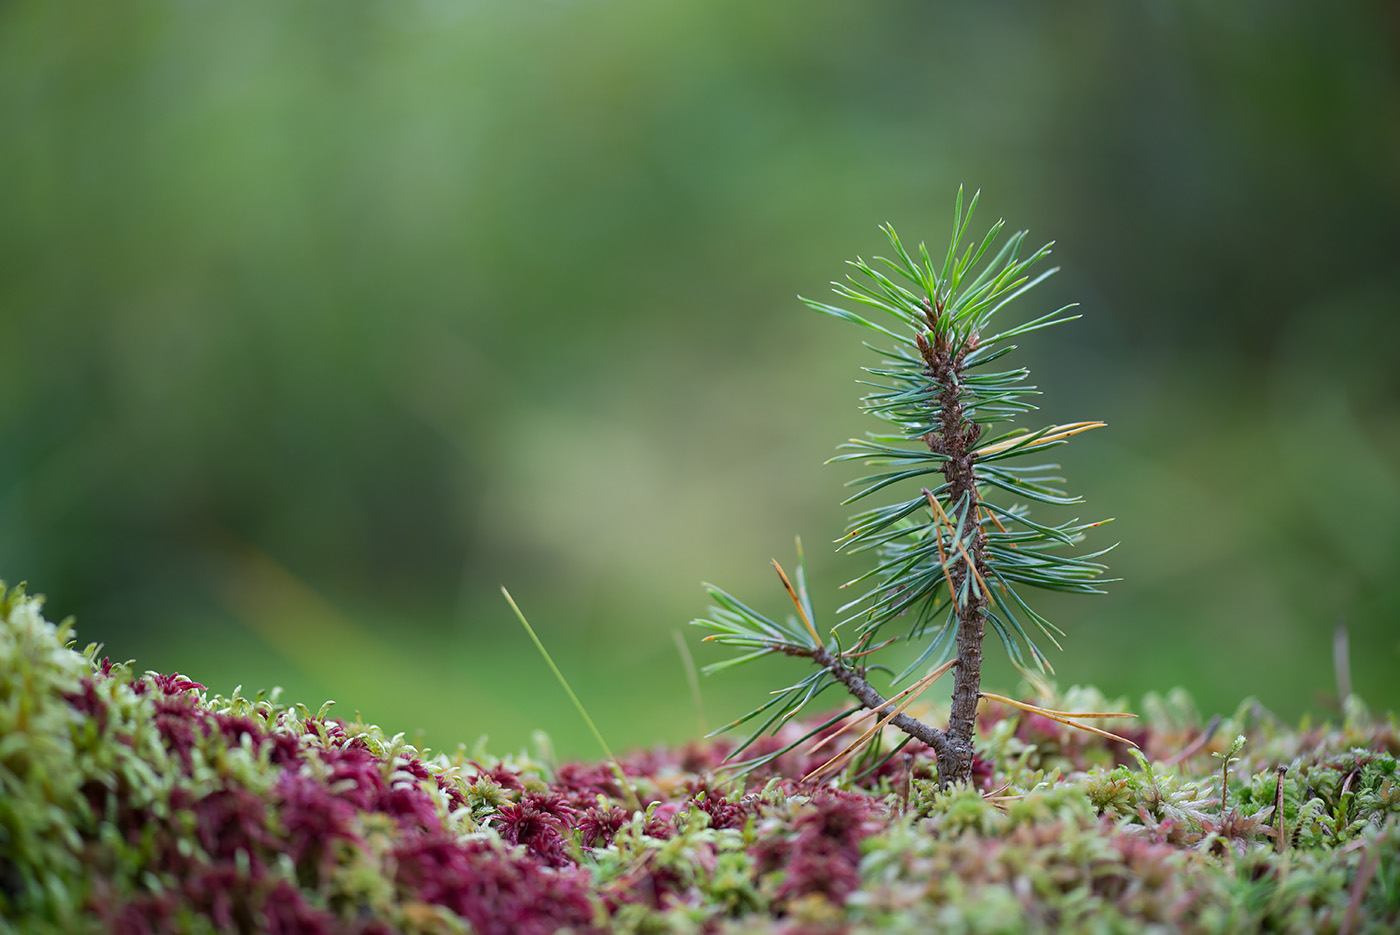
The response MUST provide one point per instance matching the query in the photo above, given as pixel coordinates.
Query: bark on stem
(866, 694)
(956, 439)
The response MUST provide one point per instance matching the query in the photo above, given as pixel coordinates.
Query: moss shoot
(147, 804)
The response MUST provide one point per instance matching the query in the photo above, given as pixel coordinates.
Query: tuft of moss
(146, 804)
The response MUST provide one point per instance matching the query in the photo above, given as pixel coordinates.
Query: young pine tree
(952, 555)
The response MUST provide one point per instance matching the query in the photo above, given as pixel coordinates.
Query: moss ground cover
(145, 803)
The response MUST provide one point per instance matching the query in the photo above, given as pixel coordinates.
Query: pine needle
(1056, 433)
(893, 699)
(1063, 717)
(986, 592)
(938, 541)
(797, 602)
(874, 649)
(913, 692)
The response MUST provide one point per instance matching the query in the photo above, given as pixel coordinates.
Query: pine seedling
(952, 554)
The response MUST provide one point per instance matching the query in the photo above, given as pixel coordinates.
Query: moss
(144, 803)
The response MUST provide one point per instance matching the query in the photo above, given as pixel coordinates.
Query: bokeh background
(320, 322)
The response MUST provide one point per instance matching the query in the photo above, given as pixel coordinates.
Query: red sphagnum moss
(144, 804)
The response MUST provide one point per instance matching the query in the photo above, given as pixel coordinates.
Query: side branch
(866, 694)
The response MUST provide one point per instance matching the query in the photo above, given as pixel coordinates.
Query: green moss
(144, 803)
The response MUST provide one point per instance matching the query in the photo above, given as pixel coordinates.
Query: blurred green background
(321, 321)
